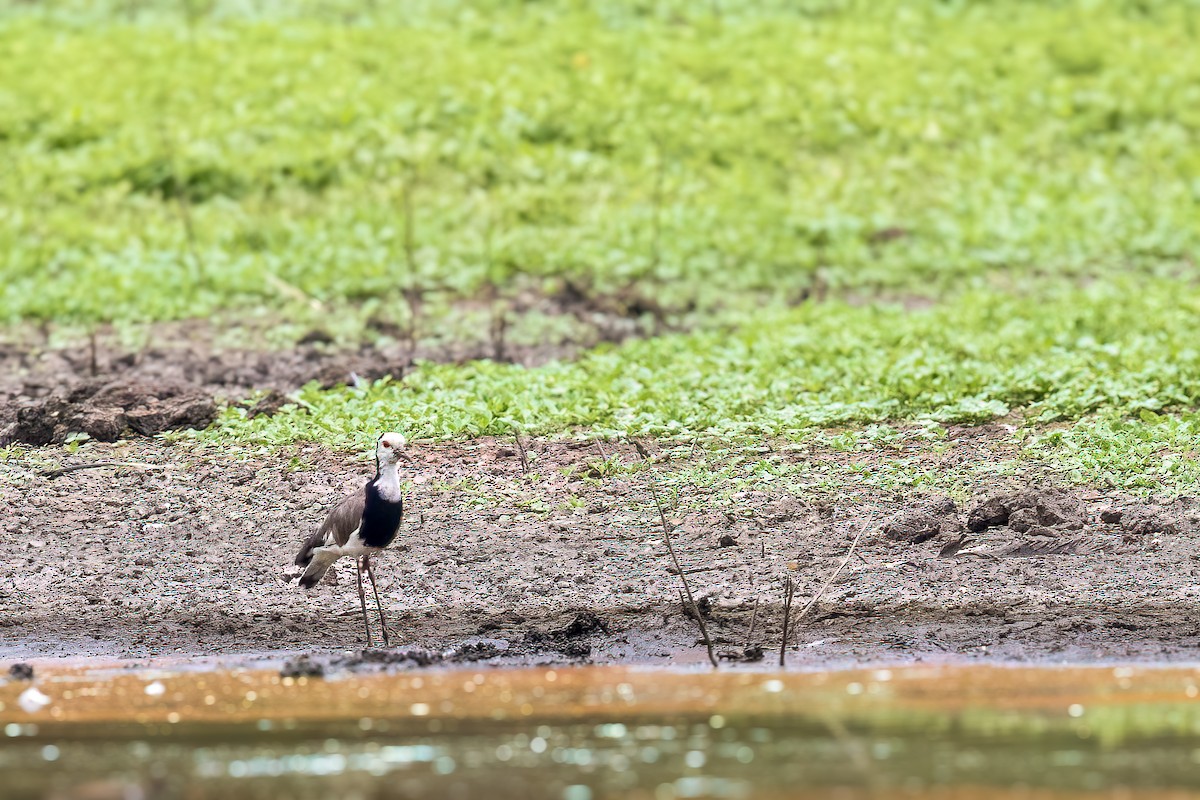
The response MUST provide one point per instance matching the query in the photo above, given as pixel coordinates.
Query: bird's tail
(317, 567)
(316, 539)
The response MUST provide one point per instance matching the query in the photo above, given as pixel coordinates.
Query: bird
(360, 526)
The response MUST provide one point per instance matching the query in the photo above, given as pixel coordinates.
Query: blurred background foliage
(708, 155)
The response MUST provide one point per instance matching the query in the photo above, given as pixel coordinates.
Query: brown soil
(110, 391)
(189, 554)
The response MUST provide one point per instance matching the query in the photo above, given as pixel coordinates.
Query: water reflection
(684, 759)
(604, 733)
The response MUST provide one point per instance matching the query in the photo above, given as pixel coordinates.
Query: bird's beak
(405, 456)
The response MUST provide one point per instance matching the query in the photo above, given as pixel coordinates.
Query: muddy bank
(110, 389)
(188, 553)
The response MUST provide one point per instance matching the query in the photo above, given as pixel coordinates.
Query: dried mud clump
(584, 623)
(565, 640)
(269, 405)
(375, 657)
(1140, 520)
(302, 667)
(932, 518)
(108, 412)
(21, 672)
(1028, 511)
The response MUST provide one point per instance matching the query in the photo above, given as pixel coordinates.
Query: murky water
(593, 733)
(580, 761)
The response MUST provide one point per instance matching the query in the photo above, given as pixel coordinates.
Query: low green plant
(266, 156)
(1120, 347)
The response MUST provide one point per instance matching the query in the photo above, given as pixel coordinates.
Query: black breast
(380, 519)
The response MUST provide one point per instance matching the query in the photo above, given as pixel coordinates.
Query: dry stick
(710, 568)
(829, 582)
(95, 369)
(789, 592)
(753, 620)
(691, 601)
(60, 471)
(497, 331)
(524, 456)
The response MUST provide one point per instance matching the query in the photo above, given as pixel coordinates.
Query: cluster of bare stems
(686, 597)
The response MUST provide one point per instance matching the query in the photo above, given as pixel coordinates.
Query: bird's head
(390, 449)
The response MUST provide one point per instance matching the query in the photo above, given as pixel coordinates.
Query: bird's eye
(386, 443)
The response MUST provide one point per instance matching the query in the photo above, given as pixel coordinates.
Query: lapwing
(360, 526)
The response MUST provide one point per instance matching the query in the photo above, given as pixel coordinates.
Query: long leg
(378, 605)
(362, 601)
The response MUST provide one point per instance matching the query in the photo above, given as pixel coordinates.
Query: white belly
(355, 547)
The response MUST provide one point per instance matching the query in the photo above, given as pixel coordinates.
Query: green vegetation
(1020, 175)
(1063, 356)
(819, 366)
(694, 152)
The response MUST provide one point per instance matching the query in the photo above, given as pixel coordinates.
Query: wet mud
(187, 553)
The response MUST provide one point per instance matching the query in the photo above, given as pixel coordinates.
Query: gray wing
(342, 520)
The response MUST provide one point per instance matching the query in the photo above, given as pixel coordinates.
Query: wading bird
(360, 526)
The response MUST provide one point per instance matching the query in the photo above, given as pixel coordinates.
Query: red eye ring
(386, 443)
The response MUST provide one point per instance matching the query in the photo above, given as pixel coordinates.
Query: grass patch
(1115, 348)
(700, 157)
(1142, 453)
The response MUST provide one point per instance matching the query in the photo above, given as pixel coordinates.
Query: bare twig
(687, 589)
(753, 620)
(414, 296)
(673, 571)
(497, 331)
(523, 454)
(828, 582)
(600, 447)
(789, 592)
(60, 471)
(94, 367)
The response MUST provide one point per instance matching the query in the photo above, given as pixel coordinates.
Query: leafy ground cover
(1019, 175)
(702, 154)
(1089, 354)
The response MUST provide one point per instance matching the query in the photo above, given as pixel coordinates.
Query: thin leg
(378, 605)
(362, 601)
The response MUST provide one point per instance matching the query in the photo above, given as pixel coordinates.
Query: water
(584, 760)
(608, 734)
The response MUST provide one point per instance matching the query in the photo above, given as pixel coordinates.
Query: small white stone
(31, 700)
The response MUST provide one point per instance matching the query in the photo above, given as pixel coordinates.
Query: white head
(390, 449)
